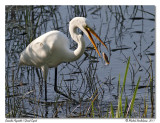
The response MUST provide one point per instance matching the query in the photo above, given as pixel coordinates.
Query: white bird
(52, 48)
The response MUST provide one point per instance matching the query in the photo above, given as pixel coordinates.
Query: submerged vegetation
(125, 88)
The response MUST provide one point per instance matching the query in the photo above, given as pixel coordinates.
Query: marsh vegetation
(124, 88)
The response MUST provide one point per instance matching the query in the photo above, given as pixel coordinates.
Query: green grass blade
(92, 111)
(125, 76)
(134, 95)
(145, 108)
(121, 114)
(125, 107)
(120, 95)
(107, 113)
(112, 112)
(119, 100)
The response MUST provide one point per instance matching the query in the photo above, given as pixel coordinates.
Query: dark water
(128, 31)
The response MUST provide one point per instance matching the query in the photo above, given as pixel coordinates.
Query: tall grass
(120, 112)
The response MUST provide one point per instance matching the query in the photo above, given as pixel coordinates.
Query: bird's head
(84, 25)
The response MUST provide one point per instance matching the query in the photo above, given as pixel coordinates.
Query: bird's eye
(86, 26)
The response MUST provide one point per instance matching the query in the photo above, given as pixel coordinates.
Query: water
(128, 31)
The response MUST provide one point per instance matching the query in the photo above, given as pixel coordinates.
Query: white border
(75, 2)
(80, 2)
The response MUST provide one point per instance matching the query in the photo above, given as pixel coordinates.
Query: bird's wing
(40, 50)
(48, 49)
(35, 54)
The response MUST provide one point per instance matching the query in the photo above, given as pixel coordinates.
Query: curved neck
(81, 47)
(76, 54)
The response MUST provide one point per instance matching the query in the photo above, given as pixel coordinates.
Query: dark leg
(56, 90)
(44, 69)
(55, 81)
(46, 90)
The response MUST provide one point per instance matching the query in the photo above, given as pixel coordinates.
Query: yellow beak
(88, 29)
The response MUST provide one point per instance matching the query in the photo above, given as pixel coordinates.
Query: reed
(133, 98)
(120, 112)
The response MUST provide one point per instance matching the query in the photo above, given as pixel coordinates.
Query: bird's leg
(56, 90)
(45, 73)
(46, 90)
(55, 81)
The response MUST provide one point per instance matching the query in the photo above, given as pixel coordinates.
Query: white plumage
(52, 48)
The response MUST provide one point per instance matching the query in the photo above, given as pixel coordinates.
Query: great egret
(52, 48)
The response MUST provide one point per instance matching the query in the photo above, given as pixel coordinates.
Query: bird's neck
(81, 47)
(76, 54)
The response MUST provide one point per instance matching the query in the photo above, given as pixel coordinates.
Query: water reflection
(127, 31)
